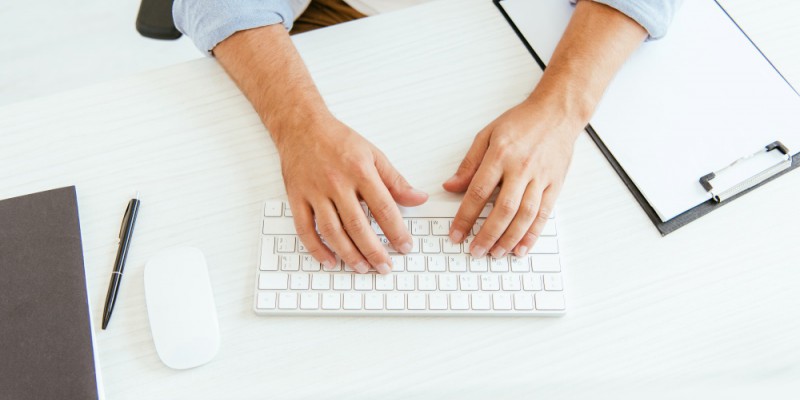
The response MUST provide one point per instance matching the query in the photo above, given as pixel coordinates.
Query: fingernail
(419, 192)
(361, 267)
(327, 265)
(456, 236)
(383, 268)
(522, 251)
(405, 248)
(498, 251)
(478, 251)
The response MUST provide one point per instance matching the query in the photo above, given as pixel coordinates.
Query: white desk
(707, 312)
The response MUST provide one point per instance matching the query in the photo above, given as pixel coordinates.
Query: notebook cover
(669, 226)
(45, 331)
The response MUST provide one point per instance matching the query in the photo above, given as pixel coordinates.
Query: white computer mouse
(180, 303)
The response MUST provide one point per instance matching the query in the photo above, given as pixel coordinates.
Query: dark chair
(155, 20)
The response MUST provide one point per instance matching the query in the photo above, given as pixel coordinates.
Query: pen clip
(124, 220)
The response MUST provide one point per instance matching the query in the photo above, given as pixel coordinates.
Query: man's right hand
(328, 169)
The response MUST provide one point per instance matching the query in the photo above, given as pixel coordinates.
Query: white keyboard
(438, 278)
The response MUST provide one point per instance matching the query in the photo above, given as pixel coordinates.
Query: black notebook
(45, 327)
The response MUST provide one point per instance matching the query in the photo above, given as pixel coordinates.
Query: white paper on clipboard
(682, 106)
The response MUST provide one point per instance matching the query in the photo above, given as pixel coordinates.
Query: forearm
(270, 72)
(596, 43)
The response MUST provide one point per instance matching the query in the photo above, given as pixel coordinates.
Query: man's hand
(526, 152)
(327, 169)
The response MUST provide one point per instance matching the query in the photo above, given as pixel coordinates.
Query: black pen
(125, 234)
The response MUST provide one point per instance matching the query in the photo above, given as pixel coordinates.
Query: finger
(459, 182)
(357, 227)
(545, 211)
(330, 227)
(522, 221)
(401, 191)
(304, 225)
(478, 193)
(503, 212)
(387, 215)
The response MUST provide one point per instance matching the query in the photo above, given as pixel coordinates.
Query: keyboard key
(448, 247)
(431, 244)
(478, 225)
(459, 301)
(549, 301)
(266, 300)
(384, 282)
(287, 211)
(437, 263)
(545, 245)
(480, 301)
(426, 282)
(287, 301)
(416, 301)
(478, 264)
(362, 281)
(273, 281)
(301, 248)
(285, 244)
(405, 282)
(395, 301)
(398, 263)
(387, 245)
(309, 301)
(520, 264)
(549, 228)
(414, 245)
(420, 227)
(501, 301)
(468, 282)
(415, 263)
(438, 301)
(269, 260)
(457, 263)
(373, 301)
(375, 227)
(352, 301)
(553, 282)
(511, 282)
(342, 282)
(278, 226)
(320, 281)
(523, 301)
(440, 227)
(490, 282)
(531, 282)
(499, 264)
(331, 301)
(308, 263)
(290, 262)
(273, 208)
(448, 282)
(545, 263)
(298, 282)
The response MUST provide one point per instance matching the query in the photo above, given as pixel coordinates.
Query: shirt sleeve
(208, 22)
(654, 15)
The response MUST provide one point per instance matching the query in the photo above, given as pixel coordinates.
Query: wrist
(296, 122)
(564, 115)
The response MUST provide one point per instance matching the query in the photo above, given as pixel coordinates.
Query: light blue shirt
(209, 22)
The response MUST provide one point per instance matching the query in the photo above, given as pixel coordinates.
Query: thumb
(402, 192)
(459, 182)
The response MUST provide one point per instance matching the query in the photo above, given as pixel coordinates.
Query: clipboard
(723, 184)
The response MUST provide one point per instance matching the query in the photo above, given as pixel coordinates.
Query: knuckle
(355, 224)
(489, 236)
(527, 211)
(382, 212)
(506, 207)
(329, 229)
(478, 192)
(543, 215)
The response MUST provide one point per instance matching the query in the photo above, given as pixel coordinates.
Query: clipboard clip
(747, 171)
